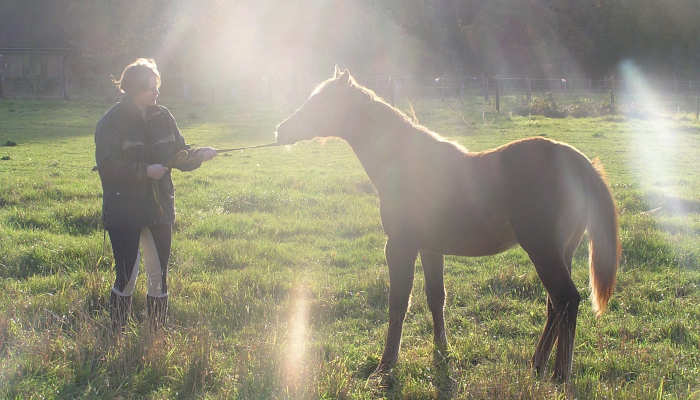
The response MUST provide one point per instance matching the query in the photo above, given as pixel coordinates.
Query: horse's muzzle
(282, 135)
(280, 139)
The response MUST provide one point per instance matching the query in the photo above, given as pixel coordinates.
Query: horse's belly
(476, 247)
(471, 238)
(466, 217)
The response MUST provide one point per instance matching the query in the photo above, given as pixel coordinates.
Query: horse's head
(326, 112)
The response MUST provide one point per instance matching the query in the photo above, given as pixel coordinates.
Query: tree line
(211, 39)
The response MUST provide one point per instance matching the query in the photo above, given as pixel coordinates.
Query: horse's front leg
(401, 259)
(433, 265)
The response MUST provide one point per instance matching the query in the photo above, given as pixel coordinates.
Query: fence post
(498, 96)
(2, 68)
(64, 84)
(486, 87)
(677, 92)
(612, 95)
(529, 90)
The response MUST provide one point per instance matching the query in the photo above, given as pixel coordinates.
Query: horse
(437, 198)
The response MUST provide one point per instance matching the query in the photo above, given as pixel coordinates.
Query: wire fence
(498, 94)
(444, 86)
(520, 94)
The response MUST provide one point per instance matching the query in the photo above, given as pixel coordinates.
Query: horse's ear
(347, 78)
(336, 71)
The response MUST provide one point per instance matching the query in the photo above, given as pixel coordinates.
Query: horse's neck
(383, 141)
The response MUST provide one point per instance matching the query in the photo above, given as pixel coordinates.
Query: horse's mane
(391, 112)
(372, 96)
(400, 115)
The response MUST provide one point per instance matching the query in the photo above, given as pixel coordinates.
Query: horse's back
(544, 185)
(470, 204)
(540, 166)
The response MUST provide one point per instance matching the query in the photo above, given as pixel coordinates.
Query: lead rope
(249, 147)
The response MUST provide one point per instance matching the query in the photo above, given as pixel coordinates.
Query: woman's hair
(136, 75)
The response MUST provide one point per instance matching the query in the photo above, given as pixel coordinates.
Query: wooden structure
(35, 72)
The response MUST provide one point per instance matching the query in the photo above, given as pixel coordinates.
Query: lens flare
(656, 144)
(294, 361)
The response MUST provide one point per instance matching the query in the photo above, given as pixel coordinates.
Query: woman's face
(148, 96)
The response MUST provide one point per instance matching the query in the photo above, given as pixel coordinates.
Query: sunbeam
(655, 147)
(294, 358)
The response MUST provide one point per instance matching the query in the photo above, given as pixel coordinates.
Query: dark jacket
(126, 142)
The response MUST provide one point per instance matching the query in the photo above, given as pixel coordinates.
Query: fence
(35, 72)
(670, 95)
(674, 95)
(523, 85)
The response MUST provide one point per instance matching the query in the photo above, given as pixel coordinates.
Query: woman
(136, 144)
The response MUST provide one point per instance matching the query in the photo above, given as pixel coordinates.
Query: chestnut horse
(437, 198)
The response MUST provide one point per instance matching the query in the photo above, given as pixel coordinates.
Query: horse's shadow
(445, 384)
(385, 385)
(389, 385)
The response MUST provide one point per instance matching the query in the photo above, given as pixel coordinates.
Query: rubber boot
(119, 310)
(157, 310)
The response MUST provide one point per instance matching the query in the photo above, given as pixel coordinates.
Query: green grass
(278, 282)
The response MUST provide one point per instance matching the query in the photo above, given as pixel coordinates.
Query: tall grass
(278, 284)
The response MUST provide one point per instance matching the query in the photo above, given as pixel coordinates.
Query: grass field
(278, 283)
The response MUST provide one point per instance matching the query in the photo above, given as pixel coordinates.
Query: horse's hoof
(382, 369)
(441, 355)
(382, 378)
(380, 373)
(538, 370)
(445, 384)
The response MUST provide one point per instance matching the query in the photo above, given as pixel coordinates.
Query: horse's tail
(604, 248)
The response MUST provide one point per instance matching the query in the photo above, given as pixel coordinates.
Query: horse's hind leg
(546, 342)
(433, 265)
(564, 299)
(549, 334)
(565, 339)
(401, 260)
(567, 330)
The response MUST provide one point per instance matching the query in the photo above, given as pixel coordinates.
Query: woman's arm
(119, 154)
(188, 159)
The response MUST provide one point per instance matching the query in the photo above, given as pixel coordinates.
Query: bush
(548, 107)
(542, 106)
(583, 109)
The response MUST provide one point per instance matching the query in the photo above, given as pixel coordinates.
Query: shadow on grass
(389, 385)
(114, 366)
(385, 385)
(445, 384)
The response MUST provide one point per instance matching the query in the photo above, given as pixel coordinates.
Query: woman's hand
(156, 171)
(206, 153)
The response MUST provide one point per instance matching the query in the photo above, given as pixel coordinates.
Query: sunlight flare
(653, 151)
(296, 339)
